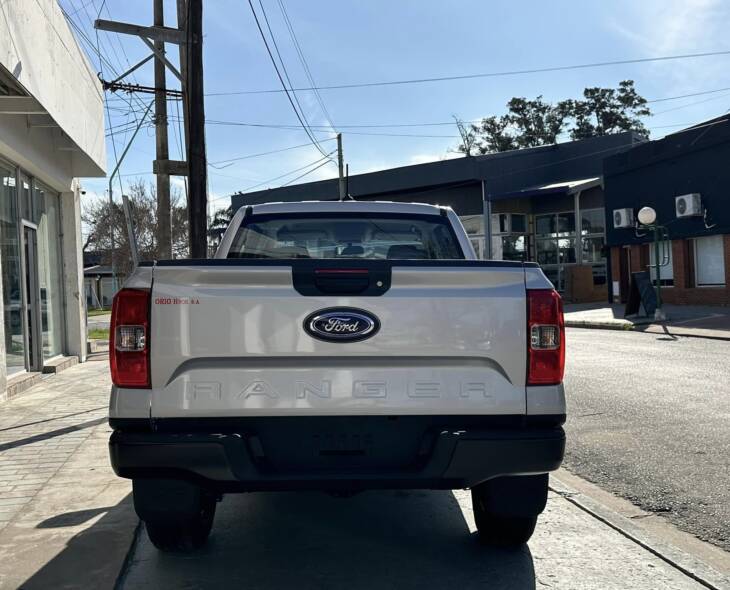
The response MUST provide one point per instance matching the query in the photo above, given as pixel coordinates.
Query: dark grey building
(685, 178)
(544, 204)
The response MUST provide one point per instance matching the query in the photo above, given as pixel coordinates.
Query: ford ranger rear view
(341, 347)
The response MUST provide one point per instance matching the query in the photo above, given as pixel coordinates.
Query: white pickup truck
(337, 346)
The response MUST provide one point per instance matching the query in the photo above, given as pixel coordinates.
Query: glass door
(31, 308)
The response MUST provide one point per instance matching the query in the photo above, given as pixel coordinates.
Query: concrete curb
(121, 577)
(598, 325)
(682, 561)
(645, 328)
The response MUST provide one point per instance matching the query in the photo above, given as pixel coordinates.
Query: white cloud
(673, 27)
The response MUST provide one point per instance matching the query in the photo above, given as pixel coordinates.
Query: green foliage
(532, 123)
(217, 226)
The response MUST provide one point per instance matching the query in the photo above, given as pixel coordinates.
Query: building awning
(97, 270)
(568, 187)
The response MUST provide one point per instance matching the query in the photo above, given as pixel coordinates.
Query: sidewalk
(66, 521)
(684, 320)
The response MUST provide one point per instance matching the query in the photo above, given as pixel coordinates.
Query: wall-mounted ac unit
(688, 205)
(623, 218)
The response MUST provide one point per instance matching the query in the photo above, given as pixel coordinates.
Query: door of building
(624, 273)
(31, 300)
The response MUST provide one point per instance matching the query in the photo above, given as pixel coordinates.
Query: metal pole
(487, 212)
(130, 231)
(164, 229)
(340, 166)
(658, 314)
(111, 197)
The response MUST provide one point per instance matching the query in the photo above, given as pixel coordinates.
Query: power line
(281, 79)
(483, 75)
(690, 104)
(283, 65)
(230, 161)
(305, 65)
(305, 174)
(326, 158)
(297, 128)
(689, 95)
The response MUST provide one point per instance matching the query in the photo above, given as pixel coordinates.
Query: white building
(51, 133)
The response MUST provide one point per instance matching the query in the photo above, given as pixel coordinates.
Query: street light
(647, 217)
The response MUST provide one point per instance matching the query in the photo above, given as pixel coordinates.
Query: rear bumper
(287, 456)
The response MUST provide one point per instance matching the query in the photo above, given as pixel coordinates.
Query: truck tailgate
(227, 339)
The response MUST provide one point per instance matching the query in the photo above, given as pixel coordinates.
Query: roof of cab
(346, 206)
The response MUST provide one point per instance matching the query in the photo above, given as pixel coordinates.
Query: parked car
(337, 346)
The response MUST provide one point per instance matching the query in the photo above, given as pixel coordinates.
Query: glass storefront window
(593, 221)
(566, 250)
(514, 248)
(46, 215)
(519, 223)
(26, 196)
(547, 252)
(545, 225)
(11, 271)
(566, 224)
(593, 249)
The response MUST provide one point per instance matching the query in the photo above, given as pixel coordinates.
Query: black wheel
(183, 534)
(506, 509)
(504, 531)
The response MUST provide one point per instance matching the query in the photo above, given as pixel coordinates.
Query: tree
(217, 226)
(98, 218)
(532, 123)
(609, 110)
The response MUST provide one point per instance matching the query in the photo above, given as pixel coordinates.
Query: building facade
(51, 133)
(543, 204)
(685, 178)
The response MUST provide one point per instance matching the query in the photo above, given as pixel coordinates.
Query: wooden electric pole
(164, 225)
(341, 167)
(198, 178)
(189, 37)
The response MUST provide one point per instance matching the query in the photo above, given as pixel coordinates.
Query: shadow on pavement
(311, 540)
(52, 434)
(74, 518)
(94, 557)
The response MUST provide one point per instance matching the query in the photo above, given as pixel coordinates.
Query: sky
(346, 42)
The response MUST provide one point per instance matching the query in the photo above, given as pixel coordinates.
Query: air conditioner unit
(623, 218)
(688, 205)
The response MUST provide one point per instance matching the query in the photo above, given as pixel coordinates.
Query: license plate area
(341, 444)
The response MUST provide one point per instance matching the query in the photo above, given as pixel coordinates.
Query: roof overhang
(569, 187)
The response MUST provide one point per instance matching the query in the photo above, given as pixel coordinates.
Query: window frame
(696, 263)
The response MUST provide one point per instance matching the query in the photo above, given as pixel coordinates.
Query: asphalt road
(649, 419)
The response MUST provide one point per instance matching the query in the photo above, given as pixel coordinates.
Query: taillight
(545, 337)
(129, 354)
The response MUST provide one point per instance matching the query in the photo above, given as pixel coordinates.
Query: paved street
(649, 419)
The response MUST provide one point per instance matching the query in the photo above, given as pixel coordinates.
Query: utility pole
(198, 178)
(189, 37)
(182, 25)
(341, 167)
(164, 225)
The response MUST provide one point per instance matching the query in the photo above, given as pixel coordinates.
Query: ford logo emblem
(341, 324)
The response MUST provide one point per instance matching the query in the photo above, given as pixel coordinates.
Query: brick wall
(684, 291)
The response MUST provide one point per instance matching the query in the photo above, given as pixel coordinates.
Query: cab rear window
(380, 236)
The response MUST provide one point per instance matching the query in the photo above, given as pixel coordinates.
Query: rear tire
(183, 534)
(506, 509)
